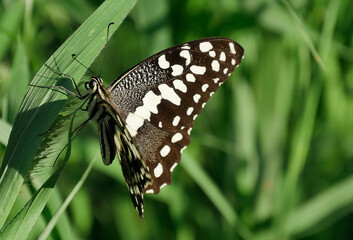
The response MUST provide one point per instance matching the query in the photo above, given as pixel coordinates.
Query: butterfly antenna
(74, 56)
(106, 48)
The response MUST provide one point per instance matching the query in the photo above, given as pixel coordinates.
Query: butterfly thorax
(99, 103)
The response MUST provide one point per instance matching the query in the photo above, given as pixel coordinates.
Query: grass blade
(306, 36)
(214, 194)
(314, 213)
(5, 130)
(40, 106)
(337, 200)
(21, 225)
(18, 80)
(9, 25)
(54, 220)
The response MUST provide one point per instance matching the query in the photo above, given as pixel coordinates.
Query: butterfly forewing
(159, 99)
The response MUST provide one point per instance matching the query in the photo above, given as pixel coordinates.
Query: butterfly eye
(91, 84)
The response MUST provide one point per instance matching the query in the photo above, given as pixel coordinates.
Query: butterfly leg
(62, 88)
(65, 75)
(78, 129)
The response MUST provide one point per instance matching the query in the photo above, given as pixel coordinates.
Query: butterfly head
(94, 83)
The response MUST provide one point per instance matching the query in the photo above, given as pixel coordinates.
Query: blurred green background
(271, 154)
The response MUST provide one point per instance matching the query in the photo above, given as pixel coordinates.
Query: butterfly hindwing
(115, 138)
(106, 136)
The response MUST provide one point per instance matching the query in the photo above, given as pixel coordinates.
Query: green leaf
(40, 106)
(10, 23)
(22, 223)
(18, 79)
(5, 130)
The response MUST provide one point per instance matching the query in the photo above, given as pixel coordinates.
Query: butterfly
(146, 115)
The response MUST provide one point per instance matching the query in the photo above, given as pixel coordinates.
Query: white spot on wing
(181, 150)
(134, 121)
(190, 77)
(178, 84)
(222, 56)
(177, 70)
(131, 131)
(143, 112)
(185, 46)
(165, 151)
(212, 54)
(232, 49)
(205, 46)
(173, 166)
(196, 97)
(225, 70)
(189, 111)
(200, 70)
(163, 63)
(150, 191)
(151, 101)
(233, 61)
(176, 137)
(216, 80)
(169, 94)
(158, 170)
(215, 65)
(204, 87)
(160, 125)
(163, 185)
(176, 121)
(186, 54)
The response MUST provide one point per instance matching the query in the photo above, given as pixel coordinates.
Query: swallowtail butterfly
(146, 115)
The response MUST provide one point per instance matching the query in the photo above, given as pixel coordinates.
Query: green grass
(271, 154)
